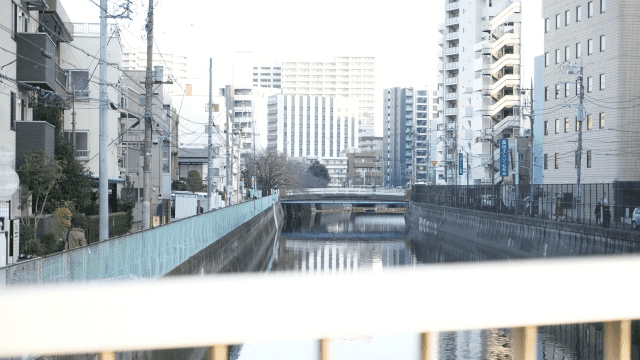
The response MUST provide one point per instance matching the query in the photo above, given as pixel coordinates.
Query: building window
(578, 125)
(546, 128)
(557, 91)
(558, 21)
(601, 120)
(588, 159)
(578, 50)
(589, 122)
(566, 125)
(557, 161)
(12, 111)
(557, 126)
(589, 84)
(546, 161)
(578, 13)
(566, 53)
(603, 44)
(546, 93)
(603, 6)
(590, 9)
(557, 56)
(601, 81)
(546, 59)
(546, 25)
(567, 18)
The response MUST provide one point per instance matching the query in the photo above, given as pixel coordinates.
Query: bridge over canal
(347, 196)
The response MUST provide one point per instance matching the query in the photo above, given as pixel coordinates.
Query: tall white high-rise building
(480, 74)
(352, 77)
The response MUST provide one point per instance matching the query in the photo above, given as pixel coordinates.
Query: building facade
(175, 67)
(406, 124)
(352, 77)
(481, 70)
(601, 36)
(310, 128)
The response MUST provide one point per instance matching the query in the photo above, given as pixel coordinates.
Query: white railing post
(526, 343)
(617, 340)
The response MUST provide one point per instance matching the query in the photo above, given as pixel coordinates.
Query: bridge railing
(232, 309)
(146, 254)
(346, 191)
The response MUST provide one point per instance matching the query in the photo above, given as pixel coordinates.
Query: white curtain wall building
(312, 127)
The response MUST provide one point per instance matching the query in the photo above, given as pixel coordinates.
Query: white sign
(9, 180)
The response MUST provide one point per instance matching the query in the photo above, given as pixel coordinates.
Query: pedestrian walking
(606, 216)
(598, 212)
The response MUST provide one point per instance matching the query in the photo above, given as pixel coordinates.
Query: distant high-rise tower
(175, 67)
(407, 116)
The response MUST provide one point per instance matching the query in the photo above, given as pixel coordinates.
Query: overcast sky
(400, 34)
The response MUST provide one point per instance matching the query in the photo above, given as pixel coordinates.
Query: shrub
(61, 222)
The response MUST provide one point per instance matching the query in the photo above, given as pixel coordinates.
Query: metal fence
(608, 205)
(145, 254)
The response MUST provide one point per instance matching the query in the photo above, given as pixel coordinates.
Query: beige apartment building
(603, 35)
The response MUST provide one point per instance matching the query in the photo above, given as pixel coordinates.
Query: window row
(578, 15)
(578, 124)
(577, 160)
(589, 87)
(578, 51)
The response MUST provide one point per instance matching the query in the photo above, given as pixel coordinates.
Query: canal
(340, 242)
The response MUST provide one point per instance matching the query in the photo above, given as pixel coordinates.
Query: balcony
(451, 50)
(451, 81)
(452, 6)
(36, 64)
(452, 35)
(56, 23)
(451, 65)
(451, 96)
(451, 111)
(452, 21)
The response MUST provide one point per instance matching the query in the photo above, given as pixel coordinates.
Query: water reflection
(349, 242)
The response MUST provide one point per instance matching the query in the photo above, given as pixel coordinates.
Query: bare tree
(272, 171)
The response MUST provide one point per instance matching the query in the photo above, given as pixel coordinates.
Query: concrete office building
(310, 128)
(603, 36)
(407, 113)
(481, 68)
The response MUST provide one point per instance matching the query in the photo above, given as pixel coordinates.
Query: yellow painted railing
(245, 308)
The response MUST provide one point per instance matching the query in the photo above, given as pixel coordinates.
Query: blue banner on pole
(460, 165)
(504, 157)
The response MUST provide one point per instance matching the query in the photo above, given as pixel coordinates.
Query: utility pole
(579, 70)
(73, 121)
(148, 117)
(229, 148)
(103, 151)
(210, 143)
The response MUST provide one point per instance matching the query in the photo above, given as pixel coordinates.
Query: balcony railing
(452, 21)
(451, 50)
(451, 65)
(451, 81)
(452, 6)
(451, 111)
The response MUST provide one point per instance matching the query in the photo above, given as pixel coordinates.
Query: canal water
(336, 242)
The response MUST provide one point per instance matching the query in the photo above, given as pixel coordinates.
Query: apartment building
(602, 36)
(310, 128)
(481, 71)
(352, 77)
(84, 89)
(407, 113)
(175, 67)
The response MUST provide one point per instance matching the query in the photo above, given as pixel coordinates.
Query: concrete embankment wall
(517, 235)
(247, 248)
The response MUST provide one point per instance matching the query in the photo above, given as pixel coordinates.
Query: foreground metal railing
(347, 191)
(245, 308)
